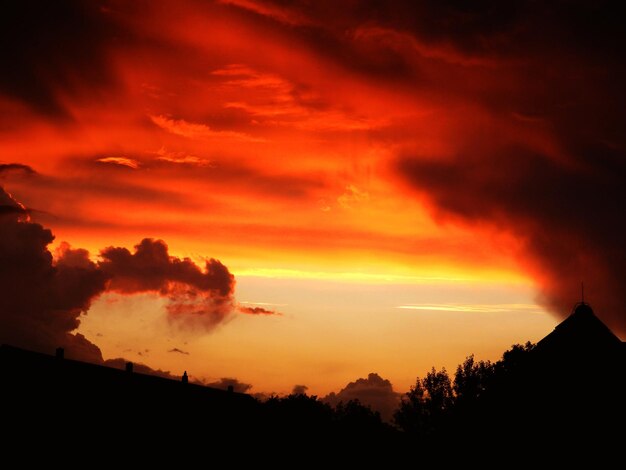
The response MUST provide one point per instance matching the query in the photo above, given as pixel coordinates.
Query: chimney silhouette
(185, 379)
(129, 367)
(60, 353)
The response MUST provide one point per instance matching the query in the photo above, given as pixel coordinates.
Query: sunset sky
(323, 189)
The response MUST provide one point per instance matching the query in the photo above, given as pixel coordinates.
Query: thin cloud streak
(264, 304)
(195, 130)
(122, 161)
(475, 308)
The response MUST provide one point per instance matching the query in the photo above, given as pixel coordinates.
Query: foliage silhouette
(471, 379)
(426, 407)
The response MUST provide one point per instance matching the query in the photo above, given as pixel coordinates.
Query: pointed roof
(581, 332)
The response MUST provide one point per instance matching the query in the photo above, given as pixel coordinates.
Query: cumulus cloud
(226, 382)
(151, 268)
(197, 297)
(299, 390)
(41, 299)
(9, 206)
(374, 391)
(43, 296)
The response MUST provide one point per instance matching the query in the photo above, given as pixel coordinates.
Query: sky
(322, 195)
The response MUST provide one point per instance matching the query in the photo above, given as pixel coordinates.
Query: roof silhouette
(31, 371)
(582, 332)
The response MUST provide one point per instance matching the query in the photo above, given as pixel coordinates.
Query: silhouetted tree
(411, 414)
(299, 411)
(355, 415)
(436, 405)
(471, 379)
(425, 407)
(514, 357)
(439, 389)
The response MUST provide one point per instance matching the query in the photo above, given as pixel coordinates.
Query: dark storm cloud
(478, 27)
(50, 48)
(42, 298)
(16, 167)
(567, 215)
(151, 268)
(197, 298)
(41, 301)
(11, 209)
(564, 79)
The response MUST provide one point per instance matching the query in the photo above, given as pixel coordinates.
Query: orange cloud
(181, 158)
(123, 161)
(193, 130)
(276, 101)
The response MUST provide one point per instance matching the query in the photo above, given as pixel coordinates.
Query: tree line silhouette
(565, 394)
(526, 404)
(430, 409)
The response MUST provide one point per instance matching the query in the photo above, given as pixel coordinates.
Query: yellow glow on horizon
(425, 276)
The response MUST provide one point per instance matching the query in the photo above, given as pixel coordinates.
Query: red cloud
(151, 268)
(196, 297)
